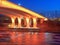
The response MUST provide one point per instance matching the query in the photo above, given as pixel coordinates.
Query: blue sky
(39, 5)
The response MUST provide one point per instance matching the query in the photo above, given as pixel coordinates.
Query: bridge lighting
(13, 21)
(9, 25)
(15, 26)
(45, 19)
(32, 24)
(27, 20)
(8, 4)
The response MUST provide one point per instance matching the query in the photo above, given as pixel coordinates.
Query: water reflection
(27, 38)
(30, 38)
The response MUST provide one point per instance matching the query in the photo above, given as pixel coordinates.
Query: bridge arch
(15, 12)
(20, 19)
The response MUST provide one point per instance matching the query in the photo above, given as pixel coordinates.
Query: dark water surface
(29, 38)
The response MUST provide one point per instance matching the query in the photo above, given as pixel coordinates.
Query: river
(29, 38)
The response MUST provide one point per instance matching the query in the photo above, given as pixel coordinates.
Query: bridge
(25, 18)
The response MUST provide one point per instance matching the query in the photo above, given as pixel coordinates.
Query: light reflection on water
(30, 38)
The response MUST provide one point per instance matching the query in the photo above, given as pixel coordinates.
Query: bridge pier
(13, 22)
(34, 23)
(27, 22)
(19, 22)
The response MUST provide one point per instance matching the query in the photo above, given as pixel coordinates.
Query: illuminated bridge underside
(14, 11)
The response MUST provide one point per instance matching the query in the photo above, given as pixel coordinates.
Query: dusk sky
(39, 5)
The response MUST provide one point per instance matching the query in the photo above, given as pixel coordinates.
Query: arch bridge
(20, 16)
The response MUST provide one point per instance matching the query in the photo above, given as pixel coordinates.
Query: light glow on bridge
(26, 15)
(14, 6)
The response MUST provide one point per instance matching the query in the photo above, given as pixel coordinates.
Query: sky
(40, 5)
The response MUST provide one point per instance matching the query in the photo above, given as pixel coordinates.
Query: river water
(29, 38)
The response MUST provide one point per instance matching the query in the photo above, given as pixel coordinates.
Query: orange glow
(19, 22)
(14, 6)
(9, 25)
(13, 22)
(27, 20)
(34, 23)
